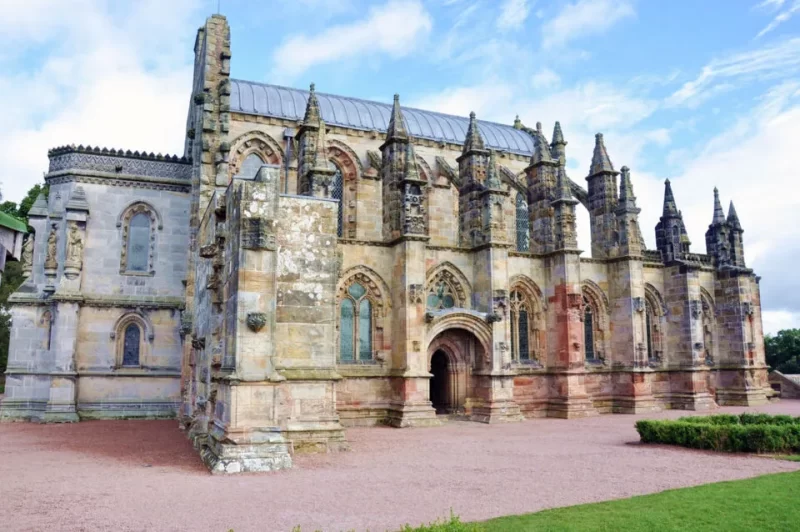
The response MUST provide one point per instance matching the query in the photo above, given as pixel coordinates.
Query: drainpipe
(288, 135)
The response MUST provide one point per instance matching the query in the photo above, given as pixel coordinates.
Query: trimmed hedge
(747, 433)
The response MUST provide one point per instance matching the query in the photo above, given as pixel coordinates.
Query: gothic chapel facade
(315, 262)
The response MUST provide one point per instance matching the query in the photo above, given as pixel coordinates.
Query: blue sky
(705, 93)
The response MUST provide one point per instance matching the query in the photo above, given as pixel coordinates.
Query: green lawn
(769, 502)
(763, 503)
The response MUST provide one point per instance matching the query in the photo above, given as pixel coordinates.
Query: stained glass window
(130, 345)
(355, 331)
(138, 242)
(588, 329)
(649, 326)
(520, 326)
(250, 167)
(337, 192)
(523, 224)
(441, 297)
(524, 348)
(346, 330)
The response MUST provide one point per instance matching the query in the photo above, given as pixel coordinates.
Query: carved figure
(50, 261)
(27, 253)
(74, 245)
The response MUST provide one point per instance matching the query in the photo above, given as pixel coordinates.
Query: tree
(783, 351)
(12, 276)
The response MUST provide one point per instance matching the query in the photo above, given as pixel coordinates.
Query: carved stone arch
(425, 169)
(466, 321)
(346, 158)
(146, 336)
(656, 300)
(448, 273)
(708, 300)
(593, 291)
(123, 223)
(447, 175)
(530, 288)
(580, 194)
(510, 178)
(376, 287)
(258, 142)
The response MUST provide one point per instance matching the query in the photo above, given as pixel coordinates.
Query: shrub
(751, 433)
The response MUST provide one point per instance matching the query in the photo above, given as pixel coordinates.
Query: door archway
(451, 354)
(440, 393)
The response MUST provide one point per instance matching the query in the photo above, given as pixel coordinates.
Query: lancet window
(589, 325)
(355, 325)
(523, 223)
(250, 166)
(337, 193)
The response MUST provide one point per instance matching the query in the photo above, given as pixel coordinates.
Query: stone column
(61, 405)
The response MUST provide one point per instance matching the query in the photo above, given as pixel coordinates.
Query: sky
(703, 93)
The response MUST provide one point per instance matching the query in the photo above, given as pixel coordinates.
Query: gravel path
(144, 475)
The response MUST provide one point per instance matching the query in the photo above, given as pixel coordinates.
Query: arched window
(131, 344)
(523, 223)
(337, 192)
(708, 331)
(588, 329)
(355, 325)
(520, 326)
(138, 243)
(250, 167)
(441, 296)
(650, 321)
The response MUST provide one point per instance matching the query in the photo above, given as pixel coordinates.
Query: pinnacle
(312, 116)
(473, 140)
(492, 174)
(558, 135)
(670, 209)
(626, 187)
(600, 161)
(719, 214)
(397, 126)
(320, 153)
(541, 149)
(733, 218)
(411, 170)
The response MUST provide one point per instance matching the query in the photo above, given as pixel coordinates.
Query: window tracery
(138, 223)
(356, 325)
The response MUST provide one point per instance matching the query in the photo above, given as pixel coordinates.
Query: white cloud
(778, 320)
(769, 62)
(584, 18)
(97, 82)
(395, 28)
(513, 14)
(545, 79)
(781, 17)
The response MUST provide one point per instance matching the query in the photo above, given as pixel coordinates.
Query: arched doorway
(440, 394)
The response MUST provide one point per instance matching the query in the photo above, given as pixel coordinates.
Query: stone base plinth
(699, 401)
(495, 412)
(267, 451)
(409, 414)
(317, 438)
(741, 397)
(571, 408)
(635, 405)
(21, 410)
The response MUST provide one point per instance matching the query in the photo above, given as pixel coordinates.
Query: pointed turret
(719, 214)
(733, 218)
(411, 170)
(564, 230)
(558, 146)
(321, 149)
(627, 200)
(630, 238)
(563, 191)
(312, 116)
(600, 160)
(558, 135)
(397, 126)
(541, 149)
(492, 173)
(670, 209)
(473, 140)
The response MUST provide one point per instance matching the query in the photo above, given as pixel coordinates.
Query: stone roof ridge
(112, 152)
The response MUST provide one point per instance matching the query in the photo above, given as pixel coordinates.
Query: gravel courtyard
(144, 475)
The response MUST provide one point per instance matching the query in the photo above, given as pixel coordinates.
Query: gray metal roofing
(283, 102)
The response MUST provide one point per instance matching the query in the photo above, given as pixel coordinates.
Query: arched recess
(122, 336)
(709, 317)
(446, 279)
(362, 292)
(527, 320)
(346, 161)
(258, 143)
(655, 325)
(124, 224)
(450, 384)
(595, 322)
(470, 323)
(425, 171)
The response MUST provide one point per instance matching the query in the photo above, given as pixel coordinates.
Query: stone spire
(541, 150)
(564, 230)
(557, 147)
(626, 197)
(670, 209)
(397, 126)
(517, 123)
(321, 148)
(600, 160)
(563, 192)
(733, 218)
(473, 140)
(410, 170)
(719, 215)
(312, 116)
(492, 173)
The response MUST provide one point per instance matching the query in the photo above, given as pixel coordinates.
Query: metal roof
(283, 102)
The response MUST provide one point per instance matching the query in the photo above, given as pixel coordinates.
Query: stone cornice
(106, 178)
(99, 300)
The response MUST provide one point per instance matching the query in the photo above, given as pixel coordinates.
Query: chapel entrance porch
(450, 357)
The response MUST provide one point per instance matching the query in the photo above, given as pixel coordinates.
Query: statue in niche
(27, 254)
(74, 245)
(50, 261)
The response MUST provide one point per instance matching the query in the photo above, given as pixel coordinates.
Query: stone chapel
(314, 262)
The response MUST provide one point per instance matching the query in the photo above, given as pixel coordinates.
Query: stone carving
(208, 252)
(256, 321)
(119, 162)
(51, 261)
(416, 294)
(493, 317)
(638, 304)
(747, 308)
(696, 308)
(74, 246)
(27, 255)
